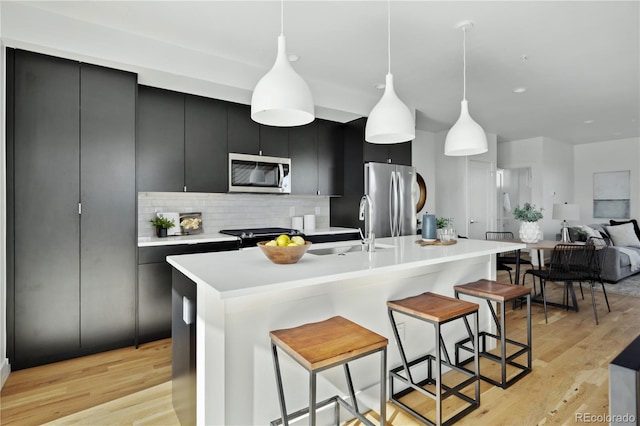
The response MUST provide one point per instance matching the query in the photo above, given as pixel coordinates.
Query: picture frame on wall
(611, 195)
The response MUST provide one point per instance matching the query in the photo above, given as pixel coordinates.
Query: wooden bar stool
(493, 291)
(320, 346)
(437, 310)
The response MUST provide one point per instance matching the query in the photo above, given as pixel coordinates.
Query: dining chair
(569, 263)
(599, 257)
(505, 259)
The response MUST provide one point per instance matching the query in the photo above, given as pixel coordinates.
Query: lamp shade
(281, 97)
(466, 137)
(390, 121)
(566, 212)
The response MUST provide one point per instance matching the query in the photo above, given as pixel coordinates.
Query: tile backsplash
(228, 211)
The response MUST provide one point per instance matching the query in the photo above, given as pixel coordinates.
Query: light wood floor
(570, 374)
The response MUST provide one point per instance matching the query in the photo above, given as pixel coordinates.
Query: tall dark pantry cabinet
(71, 208)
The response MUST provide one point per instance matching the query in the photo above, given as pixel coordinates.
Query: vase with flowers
(529, 216)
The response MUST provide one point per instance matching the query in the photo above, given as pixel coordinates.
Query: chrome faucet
(369, 238)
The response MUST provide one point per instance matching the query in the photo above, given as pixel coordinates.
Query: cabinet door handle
(79, 208)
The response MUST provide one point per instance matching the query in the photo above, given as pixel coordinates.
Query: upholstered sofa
(618, 262)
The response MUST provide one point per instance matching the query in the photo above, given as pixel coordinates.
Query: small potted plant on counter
(162, 224)
(529, 216)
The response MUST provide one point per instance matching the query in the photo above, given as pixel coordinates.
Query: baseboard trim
(5, 369)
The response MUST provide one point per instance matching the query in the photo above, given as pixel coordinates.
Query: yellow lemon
(298, 240)
(293, 244)
(271, 243)
(283, 240)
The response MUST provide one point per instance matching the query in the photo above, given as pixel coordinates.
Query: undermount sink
(341, 250)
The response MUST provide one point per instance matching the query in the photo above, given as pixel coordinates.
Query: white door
(480, 199)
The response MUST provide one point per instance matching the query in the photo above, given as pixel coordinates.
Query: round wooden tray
(436, 243)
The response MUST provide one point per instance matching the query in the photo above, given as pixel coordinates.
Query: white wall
(608, 156)
(423, 158)
(557, 176)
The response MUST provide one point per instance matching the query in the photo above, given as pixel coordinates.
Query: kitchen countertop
(246, 272)
(218, 237)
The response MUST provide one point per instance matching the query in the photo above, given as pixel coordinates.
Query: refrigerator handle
(396, 205)
(400, 223)
(392, 187)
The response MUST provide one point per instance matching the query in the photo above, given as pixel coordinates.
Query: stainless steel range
(249, 237)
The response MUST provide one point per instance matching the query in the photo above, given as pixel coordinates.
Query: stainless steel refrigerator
(391, 189)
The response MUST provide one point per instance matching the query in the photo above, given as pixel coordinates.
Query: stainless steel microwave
(259, 173)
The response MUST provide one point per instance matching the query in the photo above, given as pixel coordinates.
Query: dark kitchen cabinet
(160, 142)
(72, 191)
(205, 145)
(317, 161)
(274, 141)
(303, 149)
(154, 285)
(330, 158)
(398, 153)
(243, 134)
(182, 142)
(108, 195)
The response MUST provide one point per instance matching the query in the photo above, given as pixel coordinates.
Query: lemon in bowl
(285, 251)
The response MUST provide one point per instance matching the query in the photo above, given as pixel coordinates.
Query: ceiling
(578, 60)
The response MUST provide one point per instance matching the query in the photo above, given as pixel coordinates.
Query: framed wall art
(611, 195)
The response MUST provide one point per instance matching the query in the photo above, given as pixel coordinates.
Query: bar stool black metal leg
(276, 366)
(438, 380)
(383, 387)
(352, 394)
(502, 329)
(312, 398)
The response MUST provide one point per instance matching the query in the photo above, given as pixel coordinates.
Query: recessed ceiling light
(524, 58)
(292, 57)
(379, 85)
(588, 121)
(519, 90)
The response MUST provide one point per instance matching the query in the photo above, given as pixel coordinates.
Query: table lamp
(565, 212)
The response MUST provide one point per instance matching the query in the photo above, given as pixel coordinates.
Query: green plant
(162, 222)
(527, 213)
(443, 222)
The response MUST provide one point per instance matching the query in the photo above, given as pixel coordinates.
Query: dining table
(540, 246)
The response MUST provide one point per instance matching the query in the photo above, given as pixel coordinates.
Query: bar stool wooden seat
(500, 293)
(323, 345)
(437, 310)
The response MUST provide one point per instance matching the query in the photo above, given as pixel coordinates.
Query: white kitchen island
(241, 296)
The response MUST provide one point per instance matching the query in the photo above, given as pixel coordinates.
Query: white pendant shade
(390, 121)
(282, 98)
(466, 137)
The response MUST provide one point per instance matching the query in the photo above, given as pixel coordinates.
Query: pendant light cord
(389, 34)
(464, 64)
(281, 17)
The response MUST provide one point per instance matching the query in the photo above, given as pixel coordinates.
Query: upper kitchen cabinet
(397, 153)
(182, 142)
(274, 141)
(205, 142)
(303, 149)
(330, 158)
(317, 158)
(71, 221)
(243, 134)
(160, 143)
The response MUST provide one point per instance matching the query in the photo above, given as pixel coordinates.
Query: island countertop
(248, 271)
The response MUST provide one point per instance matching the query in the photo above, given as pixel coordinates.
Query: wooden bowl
(285, 255)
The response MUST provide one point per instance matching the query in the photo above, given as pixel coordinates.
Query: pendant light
(466, 137)
(282, 98)
(390, 121)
